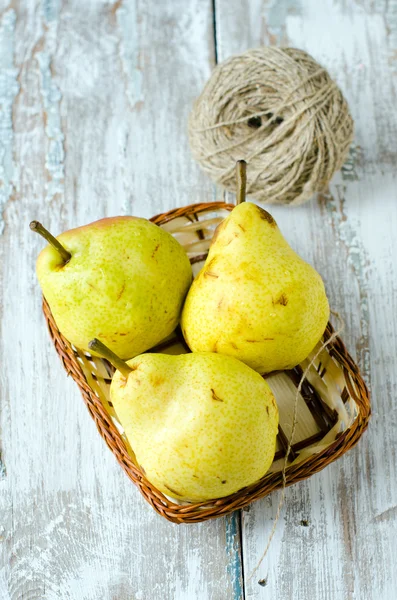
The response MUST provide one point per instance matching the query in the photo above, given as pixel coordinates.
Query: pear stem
(241, 176)
(38, 228)
(107, 353)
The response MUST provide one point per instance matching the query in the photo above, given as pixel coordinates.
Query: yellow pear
(121, 279)
(202, 426)
(255, 298)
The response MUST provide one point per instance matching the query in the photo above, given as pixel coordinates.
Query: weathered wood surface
(94, 99)
(348, 549)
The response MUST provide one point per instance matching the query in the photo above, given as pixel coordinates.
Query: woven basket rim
(200, 511)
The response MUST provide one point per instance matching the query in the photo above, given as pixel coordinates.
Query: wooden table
(94, 101)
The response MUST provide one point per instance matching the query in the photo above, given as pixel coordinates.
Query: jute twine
(291, 437)
(279, 110)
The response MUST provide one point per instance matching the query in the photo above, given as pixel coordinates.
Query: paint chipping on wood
(276, 18)
(350, 166)
(233, 548)
(358, 262)
(2, 468)
(389, 515)
(9, 88)
(51, 96)
(127, 18)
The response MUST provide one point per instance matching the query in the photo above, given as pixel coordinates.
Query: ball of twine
(279, 110)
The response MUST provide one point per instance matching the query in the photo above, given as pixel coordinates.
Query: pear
(202, 426)
(255, 298)
(121, 279)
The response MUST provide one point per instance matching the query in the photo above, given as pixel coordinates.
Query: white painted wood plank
(99, 129)
(348, 551)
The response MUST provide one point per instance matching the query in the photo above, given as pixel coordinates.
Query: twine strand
(280, 110)
(333, 336)
(282, 106)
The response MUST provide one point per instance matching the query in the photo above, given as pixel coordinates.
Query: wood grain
(337, 533)
(99, 129)
(94, 100)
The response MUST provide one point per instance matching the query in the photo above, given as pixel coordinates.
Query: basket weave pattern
(334, 408)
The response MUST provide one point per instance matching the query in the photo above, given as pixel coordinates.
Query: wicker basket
(333, 407)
